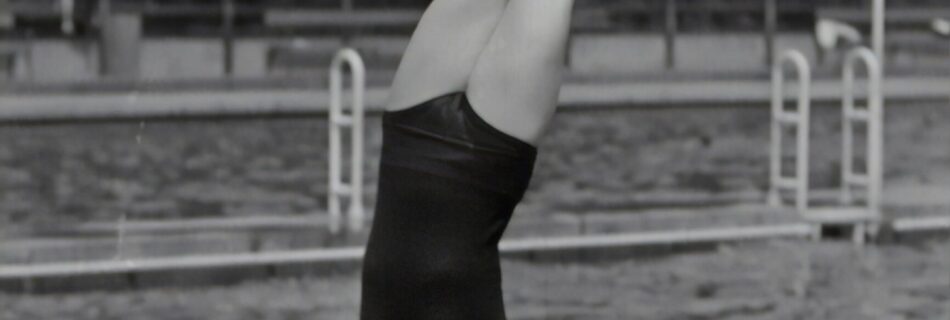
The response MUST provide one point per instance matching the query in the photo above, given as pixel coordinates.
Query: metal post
(354, 121)
(873, 115)
(227, 28)
(671, 26)
(877, 30)
(771, 28)
(347, 33)
(103, 16)
(800, 121)
(120, 39)
(847, 134)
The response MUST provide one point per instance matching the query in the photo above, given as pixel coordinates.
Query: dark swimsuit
(448, 184)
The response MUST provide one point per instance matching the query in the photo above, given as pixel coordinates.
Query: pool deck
(92, 249)
(574, 95)
(282, 241)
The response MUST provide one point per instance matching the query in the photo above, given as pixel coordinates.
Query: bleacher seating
(283, 21)
(259, 17)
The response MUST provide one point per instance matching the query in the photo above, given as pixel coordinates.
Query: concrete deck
(274, 241)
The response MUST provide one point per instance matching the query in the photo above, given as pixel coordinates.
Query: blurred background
(168, 159)
(154, 41)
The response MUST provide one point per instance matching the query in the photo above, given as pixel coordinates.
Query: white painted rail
(921, 224)
(878, 11)
(27, 272)
(872, 115)
(671, 237)
(865, 220)
(798, 119)
(354, 122)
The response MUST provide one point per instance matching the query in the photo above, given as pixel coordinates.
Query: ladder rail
(354, 122)
(873, 116)
(798, 119)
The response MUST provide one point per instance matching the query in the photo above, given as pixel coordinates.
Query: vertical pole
(336, 148)
(103, 16)
(358, 73)
(874, 148)
(227, 28)
(338, 120)
(227, 31)
(847, 135)
(804, 116)
(877, 109)
(771, 28)
(875, 134)
(877, 30)
(121, 40)
(347, 34)
(671, 26)
(775, 145)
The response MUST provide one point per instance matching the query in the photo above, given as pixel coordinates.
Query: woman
(475, 89)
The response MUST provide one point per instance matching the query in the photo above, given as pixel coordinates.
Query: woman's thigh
(443, 50)
(516, 81)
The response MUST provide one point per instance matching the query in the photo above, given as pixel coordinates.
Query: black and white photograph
(474, 159)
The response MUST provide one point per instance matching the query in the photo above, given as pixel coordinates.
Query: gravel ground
(766, 280)
(613, 158)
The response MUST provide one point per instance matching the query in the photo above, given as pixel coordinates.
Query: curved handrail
(338, 120)
(800, 119)
(874, 118)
